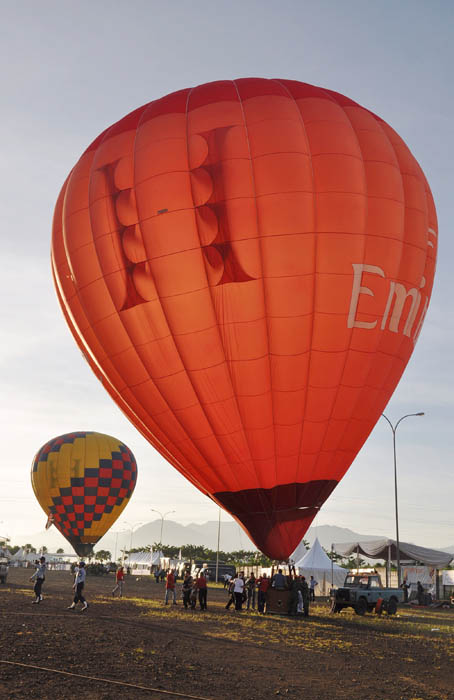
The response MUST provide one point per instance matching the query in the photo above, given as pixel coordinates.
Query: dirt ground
(216, 654)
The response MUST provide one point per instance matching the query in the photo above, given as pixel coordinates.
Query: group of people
(193, 589)
(249, 591)
(246, 591)
(78, 585)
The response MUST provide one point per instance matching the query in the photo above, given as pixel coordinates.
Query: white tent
(299, 553)
(317, 563)
(387, 549)
(141, 562)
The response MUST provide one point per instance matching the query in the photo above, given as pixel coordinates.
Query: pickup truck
(3, 569)
(365, 592)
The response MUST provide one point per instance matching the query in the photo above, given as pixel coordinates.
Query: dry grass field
(135, 647)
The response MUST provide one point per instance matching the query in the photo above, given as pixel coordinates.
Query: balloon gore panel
(246, 266)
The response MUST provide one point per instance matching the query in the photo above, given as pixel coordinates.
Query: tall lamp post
(132, 528)
(163, 515)
(394, 428)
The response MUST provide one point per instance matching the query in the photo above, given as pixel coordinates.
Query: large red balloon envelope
(246, 266)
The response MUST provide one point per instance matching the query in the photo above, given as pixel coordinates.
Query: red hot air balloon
(246, 266)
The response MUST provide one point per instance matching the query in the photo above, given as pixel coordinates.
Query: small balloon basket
(277, 602)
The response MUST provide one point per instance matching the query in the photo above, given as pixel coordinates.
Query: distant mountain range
(232, 537)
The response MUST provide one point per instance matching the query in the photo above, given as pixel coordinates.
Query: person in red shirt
(201, 584)
(119, 580)
(263, 584)
(170, 587)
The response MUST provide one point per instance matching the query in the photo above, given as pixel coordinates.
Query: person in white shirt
(39, 575)
(238, 590)
(78, 586)
(312, 584)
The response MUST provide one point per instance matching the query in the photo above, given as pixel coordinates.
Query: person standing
(279, 581)
(231, 600)
(305, 595)
(186, 589)
(405, 586)
(238, 590)
(420, 593)
(170, 587)
(251, 584)
(119, 580)
(263, 583)
(312, 584)
(295, 589)
(203, 591)
(79, 584)
(40, 576)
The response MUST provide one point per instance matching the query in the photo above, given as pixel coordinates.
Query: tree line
(197, 552)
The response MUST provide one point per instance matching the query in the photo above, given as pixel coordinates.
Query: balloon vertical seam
(251, 165)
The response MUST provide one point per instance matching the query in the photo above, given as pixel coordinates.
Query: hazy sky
(71, 69)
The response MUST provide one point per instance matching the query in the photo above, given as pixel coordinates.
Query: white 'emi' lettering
(398, 295)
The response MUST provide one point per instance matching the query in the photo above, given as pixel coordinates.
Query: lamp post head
(421, 413)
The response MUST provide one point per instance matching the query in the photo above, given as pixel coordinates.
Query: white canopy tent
(299, 553)
(142, 562)
(317, 563)
(387, 549)
(54, 561)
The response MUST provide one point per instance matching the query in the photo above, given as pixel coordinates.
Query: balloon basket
(277, 602)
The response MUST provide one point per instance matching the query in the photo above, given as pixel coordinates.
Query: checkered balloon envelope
(83, 481)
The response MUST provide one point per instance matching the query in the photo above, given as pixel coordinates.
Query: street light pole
(162, 519)
(394, 428)
(132, 528)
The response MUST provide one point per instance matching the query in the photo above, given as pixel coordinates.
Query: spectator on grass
(420, 593)
(201, 584)
(238, 591)
(305, 595)
(312, 584)
(251, 584)
(405, 587)
(78, 586)
(231, 600)
(227, 579)
(170, 587)
(193, 597)
(119, 580)
(40, 576)
(186, 589)
(263, 584)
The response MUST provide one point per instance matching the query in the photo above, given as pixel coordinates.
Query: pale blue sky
(70, 70)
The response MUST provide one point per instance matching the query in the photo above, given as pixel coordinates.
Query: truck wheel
(391, 608)
(361, 606)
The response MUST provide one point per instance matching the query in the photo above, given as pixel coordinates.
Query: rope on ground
(105, 680)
